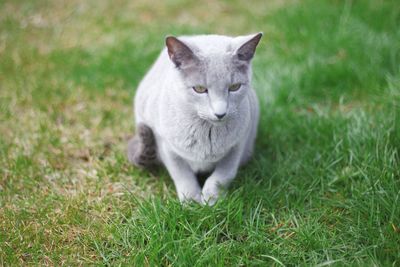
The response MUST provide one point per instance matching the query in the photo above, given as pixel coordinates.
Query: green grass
(324, 185)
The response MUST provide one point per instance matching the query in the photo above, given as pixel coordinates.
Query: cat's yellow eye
(234, 87)
(200, 89)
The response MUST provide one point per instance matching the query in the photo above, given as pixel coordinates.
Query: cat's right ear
(179, 53)
(246, 51)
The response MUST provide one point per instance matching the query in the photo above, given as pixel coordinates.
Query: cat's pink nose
(220, 116)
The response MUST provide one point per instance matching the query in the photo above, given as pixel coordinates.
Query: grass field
(324, 185)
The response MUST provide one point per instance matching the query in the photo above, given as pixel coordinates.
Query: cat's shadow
(160, 171)
(202, 177)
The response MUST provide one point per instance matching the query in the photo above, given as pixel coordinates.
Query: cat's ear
(247, 49)
(179, 53)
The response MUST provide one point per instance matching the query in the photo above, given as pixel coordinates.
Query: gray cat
(196, 113)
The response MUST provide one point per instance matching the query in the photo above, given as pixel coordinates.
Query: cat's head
(215, 72)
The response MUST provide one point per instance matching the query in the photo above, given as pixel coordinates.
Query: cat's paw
(187, 196)
(210, 194)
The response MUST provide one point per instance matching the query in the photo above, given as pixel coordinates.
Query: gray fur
(142, 147)
(189, 138)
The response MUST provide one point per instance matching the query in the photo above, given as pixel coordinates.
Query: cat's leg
(142, 149)
(249, 147)
(224, 173)
(255, 115)
(186, 184)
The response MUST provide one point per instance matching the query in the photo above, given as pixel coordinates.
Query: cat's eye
(200, 89)
(234, 87)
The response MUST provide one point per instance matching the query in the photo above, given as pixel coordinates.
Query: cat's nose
(219, 107)
(220, 116)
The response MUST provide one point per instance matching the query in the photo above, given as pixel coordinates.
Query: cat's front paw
(210, 194)
(186, 196)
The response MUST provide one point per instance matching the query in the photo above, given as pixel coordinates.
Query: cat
(196, 112)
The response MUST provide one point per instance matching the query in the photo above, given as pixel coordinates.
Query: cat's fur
(179, 127)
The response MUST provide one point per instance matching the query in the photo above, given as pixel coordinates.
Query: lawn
(323, 187)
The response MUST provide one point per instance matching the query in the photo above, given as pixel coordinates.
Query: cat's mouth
(214, 121)
(217, 121)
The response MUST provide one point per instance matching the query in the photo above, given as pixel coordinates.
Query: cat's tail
(142, 148)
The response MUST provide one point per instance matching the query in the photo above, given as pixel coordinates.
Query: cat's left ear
(247, 49)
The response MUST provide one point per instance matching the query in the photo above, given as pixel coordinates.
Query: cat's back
(148, 91)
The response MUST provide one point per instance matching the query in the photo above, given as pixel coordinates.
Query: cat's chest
(202, 141)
